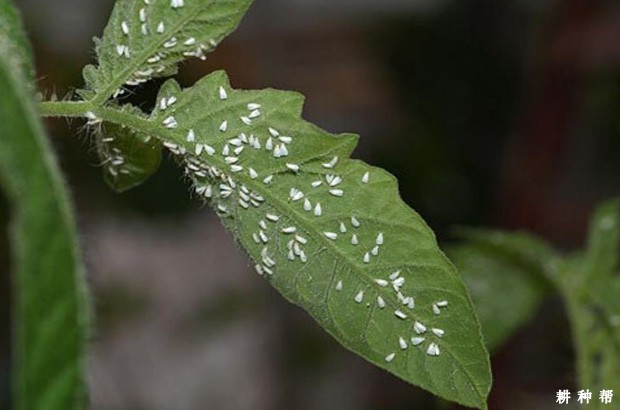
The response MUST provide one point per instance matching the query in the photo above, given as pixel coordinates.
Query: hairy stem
(85, 109)
(579, 328)
(64, 108)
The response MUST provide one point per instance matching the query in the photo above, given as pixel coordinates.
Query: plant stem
(582, 322)
(579, 332)
(64, 108)
(85, 109)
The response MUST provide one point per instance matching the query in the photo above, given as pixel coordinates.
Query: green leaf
(508, 273)
(595, 321)
(525, 251)
(330, 233)
(128, 158)
(591, 289)
(144, 40)
(16, 51)
(50, 314)
(505, 292)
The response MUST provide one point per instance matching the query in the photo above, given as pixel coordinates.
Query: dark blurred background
(491, 113)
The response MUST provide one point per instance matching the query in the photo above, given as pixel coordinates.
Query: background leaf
(527, 251)
(17, 53)
(590, 286)
(506, 293)
(330, 233)
(142, 41)
(50, 313)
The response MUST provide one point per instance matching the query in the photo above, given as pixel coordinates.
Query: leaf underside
(50, 313)
(147, 39)
(330, 233)
(127, 158)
